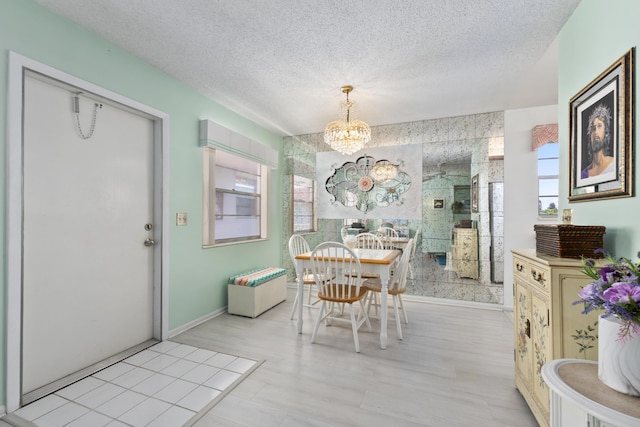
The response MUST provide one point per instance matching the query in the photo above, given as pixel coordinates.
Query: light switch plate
(181, 218)
(567, 216)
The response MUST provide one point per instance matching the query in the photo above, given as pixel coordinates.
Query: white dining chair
(387, 232)
(298, 245)
(372, 241)
(397, 286)
(368, 241)
(344, 232)
(339, 288)
(417, 241)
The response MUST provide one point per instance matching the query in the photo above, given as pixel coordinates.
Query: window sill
(240, 242)
(305, 233)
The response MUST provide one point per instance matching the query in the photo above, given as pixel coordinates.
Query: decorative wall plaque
(368, 184)
(382, 182)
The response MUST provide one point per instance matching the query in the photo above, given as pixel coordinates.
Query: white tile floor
(166, 385)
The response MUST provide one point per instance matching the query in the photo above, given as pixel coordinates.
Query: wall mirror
(441, 156)
(445, 177)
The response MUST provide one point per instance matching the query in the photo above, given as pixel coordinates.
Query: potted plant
(616, 291)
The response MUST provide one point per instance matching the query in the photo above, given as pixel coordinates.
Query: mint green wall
(197, 276)
(596, 35)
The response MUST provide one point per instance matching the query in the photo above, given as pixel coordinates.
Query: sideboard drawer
(520, 267)
(539, 276)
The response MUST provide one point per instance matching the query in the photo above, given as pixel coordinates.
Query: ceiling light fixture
(347, 136)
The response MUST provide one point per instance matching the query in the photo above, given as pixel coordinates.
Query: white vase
(618, 361)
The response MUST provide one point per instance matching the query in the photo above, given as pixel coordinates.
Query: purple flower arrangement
(615, 290)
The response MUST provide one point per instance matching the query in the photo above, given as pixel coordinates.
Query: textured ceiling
(281, 63)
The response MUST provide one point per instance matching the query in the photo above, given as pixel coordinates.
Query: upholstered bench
(256, 291)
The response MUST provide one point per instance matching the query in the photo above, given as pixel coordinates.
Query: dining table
(379, 261)
(397, 242)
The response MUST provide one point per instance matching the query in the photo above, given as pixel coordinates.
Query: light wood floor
(453, 368)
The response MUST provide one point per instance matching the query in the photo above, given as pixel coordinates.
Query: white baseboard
(196, 322)
(442, 301)
(453, 302)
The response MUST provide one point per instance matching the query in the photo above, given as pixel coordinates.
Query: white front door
(88, 207)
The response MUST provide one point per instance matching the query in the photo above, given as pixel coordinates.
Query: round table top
(578, 381)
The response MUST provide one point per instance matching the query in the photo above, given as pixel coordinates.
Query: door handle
(149, 241)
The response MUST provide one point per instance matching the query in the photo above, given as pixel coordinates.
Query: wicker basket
(569, 241)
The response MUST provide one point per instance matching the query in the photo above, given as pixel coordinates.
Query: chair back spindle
(368, 241)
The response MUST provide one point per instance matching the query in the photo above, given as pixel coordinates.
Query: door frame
(18, 64)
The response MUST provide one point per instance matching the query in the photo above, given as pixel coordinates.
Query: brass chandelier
(349, 135)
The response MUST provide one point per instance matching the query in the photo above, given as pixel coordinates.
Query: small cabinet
(532, 346)
(464, 252)
(541, 339)
(546, 321)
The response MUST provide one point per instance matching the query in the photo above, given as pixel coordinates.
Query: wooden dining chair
(298, 245)
(339, 288)
(397, 286)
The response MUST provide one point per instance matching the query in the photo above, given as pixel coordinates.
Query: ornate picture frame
(601, 135)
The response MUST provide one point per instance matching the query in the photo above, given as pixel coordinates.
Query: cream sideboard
(464, 252)
(545, 321)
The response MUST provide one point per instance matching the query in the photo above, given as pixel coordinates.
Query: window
(548, 166)
(303, 204)
(235, 198)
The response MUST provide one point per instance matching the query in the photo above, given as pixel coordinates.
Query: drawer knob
(519, 267)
